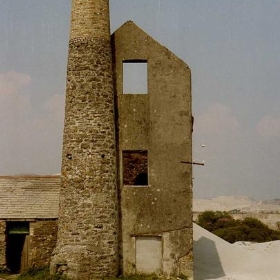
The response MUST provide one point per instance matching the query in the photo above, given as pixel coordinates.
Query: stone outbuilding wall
(42, 241)
(2, 245)
(28, 220)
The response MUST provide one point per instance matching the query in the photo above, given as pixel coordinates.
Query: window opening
(135, 77)
(135, 168)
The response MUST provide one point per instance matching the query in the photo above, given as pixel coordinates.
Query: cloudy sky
(232, 47)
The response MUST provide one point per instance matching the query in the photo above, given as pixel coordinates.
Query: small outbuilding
(28, 220)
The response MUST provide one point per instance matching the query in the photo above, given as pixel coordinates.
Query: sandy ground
(229, 203)
(215, 258)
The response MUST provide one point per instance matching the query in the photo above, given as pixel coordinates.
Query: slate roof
(29, 197)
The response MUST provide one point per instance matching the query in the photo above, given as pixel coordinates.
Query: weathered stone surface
(88, 226)
(159, 122)
(2, 245)
(42, 242)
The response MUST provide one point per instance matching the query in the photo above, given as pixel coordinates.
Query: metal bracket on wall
(193, 162)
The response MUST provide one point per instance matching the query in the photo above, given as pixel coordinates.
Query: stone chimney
(87, 246)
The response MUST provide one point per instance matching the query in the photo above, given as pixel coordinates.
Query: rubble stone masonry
(88, 226)
(42, 241)
(2, 245)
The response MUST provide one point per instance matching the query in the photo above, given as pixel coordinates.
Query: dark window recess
(135, 168)
(135, 77)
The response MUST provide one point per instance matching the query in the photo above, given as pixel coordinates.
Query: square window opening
(135, 77)
(135, 168)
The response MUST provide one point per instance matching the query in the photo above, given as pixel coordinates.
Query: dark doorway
(17, 234)
(14, 250)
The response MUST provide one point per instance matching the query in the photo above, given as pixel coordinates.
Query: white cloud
(11, 82)
(51, 121)
(269, 127)
(29, 143)
(41, 138)
(55, 108)
(13, 103)
(217, 119)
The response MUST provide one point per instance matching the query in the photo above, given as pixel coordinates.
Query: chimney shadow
(207, 263)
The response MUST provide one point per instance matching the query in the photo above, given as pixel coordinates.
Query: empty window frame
(135, 77)
(135, 168)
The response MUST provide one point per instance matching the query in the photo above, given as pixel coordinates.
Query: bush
(213, 220)
(223, 225)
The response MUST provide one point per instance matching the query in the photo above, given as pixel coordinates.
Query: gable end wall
(159, 122)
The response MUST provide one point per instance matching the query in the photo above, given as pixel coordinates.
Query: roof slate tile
(29, 197)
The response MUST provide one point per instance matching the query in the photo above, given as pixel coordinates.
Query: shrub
(213, 220)
(223, 225)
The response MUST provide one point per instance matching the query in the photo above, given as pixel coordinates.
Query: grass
(6, 275)
(43, 274)
(134, 277)
(142, 277)
(39, 274)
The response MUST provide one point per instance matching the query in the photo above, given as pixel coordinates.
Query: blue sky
(232, 47)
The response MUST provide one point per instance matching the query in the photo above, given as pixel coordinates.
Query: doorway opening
(17, 246)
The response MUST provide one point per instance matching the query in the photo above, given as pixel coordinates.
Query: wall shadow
(207, 263)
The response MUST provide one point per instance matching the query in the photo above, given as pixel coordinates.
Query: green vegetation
(223, 225)
(134, 277)
(43, 274)
(142, 277)
(39, 274)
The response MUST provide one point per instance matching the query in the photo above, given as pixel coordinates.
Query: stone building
(28, 220)
(126, 197)
(154, 136)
